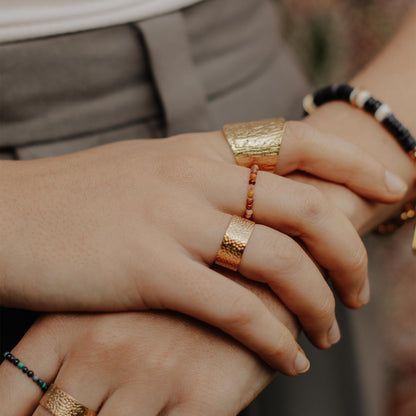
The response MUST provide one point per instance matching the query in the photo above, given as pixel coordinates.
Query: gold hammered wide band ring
(60, 403)
(234, 242)
(256, 142)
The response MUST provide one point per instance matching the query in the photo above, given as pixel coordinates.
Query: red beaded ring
(250, 193)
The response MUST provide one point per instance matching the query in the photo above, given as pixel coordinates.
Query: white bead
(362, 98)
(354, 94)
(308, 105)
(382, 112)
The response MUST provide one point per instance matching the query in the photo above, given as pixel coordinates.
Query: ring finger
(274, 258)
(300, 210)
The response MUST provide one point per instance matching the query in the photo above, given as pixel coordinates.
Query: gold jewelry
(408, 213)
(60, 403)
(234, 243)
(256, 142)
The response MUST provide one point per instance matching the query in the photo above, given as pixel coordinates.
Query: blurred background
(333, 40)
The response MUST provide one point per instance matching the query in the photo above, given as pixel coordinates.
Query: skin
(159, 258)
(140, 363)
(350, 124)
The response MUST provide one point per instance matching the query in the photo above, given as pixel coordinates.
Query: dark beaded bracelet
(12, 359)
(362, 99)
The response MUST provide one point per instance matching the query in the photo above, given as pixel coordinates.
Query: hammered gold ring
(256, 142)
(59, 403)
(234, 242)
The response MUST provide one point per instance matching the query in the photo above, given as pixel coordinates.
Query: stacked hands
(136, 226)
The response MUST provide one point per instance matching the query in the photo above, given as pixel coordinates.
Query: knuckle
(182, 169)
(359, 261)
(278, 352)
(285, 254)
(299, 130)
(243, 310)
(314, 205)
(326, 308)
(109, 337)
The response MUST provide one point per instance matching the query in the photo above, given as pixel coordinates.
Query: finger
(301, 211)
(273, 258)
(210, 297)
(83, 381)
(328, 157)
(40, 352)
(277, 260)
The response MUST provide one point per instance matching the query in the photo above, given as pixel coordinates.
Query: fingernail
(395, 184)
(334, 334)
(364, 295)
(301, 363)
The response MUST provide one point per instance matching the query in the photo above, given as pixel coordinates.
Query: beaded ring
(12, 359)
(363, 99)
(250, 193)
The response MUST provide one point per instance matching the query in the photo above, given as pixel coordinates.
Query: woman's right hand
(135, 225)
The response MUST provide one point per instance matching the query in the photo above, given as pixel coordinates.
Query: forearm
(390, 78)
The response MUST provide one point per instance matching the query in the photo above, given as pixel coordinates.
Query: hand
(138, 363)
(362, 130)
(124, 227)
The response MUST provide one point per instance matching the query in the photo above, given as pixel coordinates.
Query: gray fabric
(180, 90)
(69, 93)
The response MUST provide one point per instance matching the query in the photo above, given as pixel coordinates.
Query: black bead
(9, 357)
(372, 105)
(30, 374)
(6, 354)
(408, 143)
(343, 92)
(16, 361)
(40, 382)
(324, 95)
(25, 369)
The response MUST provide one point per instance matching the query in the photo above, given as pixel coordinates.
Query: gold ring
(256, 142)
(60, 403)
(234, 243)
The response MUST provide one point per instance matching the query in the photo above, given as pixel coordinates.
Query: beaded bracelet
(11, 358)
(362, 99)
(382, 112)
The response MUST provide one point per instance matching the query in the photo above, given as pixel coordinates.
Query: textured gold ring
(256, 142)
(60, 403)
(234, 242)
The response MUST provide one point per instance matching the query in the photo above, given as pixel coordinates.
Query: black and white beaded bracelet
(12, 359)
(363, 99)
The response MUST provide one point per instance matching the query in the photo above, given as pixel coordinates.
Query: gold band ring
(256, 142)
(234, 242)
(60, 403)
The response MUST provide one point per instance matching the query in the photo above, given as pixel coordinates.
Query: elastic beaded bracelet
(363, 99)
(250, 192)
(382, 112)
(12, 359)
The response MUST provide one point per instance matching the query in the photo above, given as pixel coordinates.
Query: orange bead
(250, 194)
